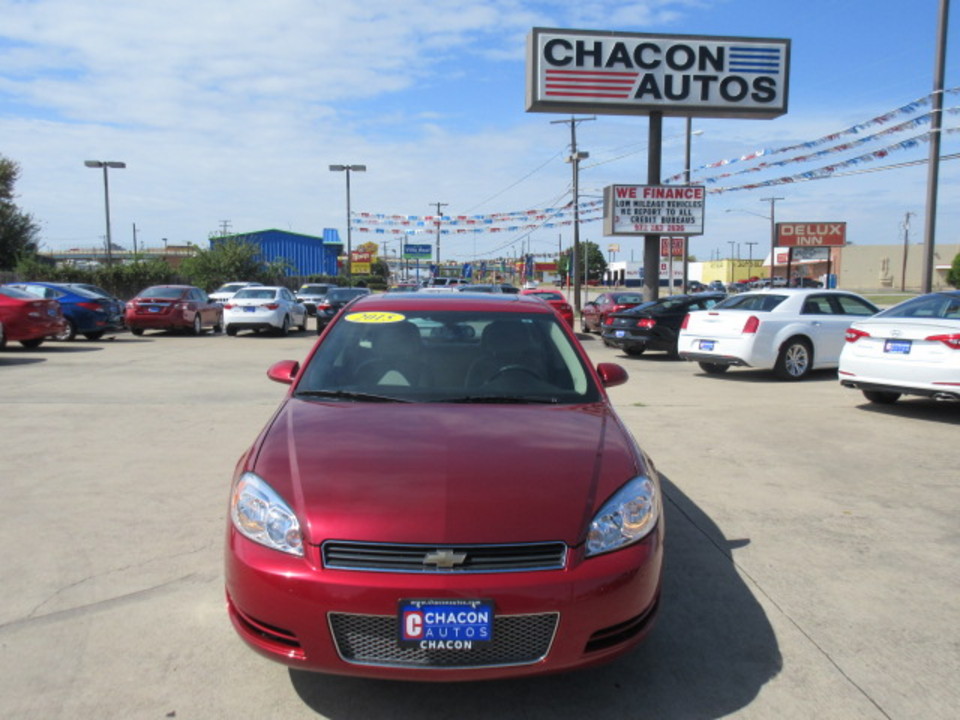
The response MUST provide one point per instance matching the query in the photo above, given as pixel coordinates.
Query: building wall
(308, 254)
(880, 267)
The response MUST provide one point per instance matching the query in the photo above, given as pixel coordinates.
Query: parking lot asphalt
(812, 566)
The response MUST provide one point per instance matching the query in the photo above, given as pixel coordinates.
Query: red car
(28, 319)
(444, 494)
(555, 299)
(173, 307)
(594, 313)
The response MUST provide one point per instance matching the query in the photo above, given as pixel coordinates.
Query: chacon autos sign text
(636, 74)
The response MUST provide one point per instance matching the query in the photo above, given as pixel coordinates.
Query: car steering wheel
(513, 368)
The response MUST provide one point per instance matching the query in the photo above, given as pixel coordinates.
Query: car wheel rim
(797, 360)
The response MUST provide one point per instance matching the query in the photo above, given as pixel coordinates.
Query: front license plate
(897, 347)
(445, 624)
(707, 345)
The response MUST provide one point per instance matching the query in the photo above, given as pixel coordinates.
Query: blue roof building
(307, 254)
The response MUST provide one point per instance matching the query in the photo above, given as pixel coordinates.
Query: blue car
(86, 313)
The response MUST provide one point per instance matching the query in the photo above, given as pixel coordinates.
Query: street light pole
(574, 159)
(105, 164)
(347, 169)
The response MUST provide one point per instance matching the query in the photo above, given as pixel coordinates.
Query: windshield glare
(449, 356)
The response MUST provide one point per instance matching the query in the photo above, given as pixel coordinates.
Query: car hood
(445, 473)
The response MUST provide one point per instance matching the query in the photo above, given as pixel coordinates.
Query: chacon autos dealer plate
(445, 624)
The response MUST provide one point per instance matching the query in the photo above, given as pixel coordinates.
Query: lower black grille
(373, 640)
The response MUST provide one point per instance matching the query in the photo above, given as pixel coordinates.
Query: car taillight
(686, 320)
(647, 322)
(228, 306)
(751, 325)
(951, 341)
(90, 306)
(272, 306)
(852, 335)
(608, 320)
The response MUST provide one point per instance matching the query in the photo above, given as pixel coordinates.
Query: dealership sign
(812, 234)
(571, 71)
(653, 209)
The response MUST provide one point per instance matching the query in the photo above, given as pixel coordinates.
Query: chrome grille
(379, 557)
(373, 640)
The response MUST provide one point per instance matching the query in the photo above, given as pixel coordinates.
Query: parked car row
(912, 348)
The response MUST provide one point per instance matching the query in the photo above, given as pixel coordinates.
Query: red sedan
(555, 299)
(594, 313)
(173, 307)
(473, 509)
(28, 319)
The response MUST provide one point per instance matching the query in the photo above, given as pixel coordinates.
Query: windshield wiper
(348, 395)
(503, 399)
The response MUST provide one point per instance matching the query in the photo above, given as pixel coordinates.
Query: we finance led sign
(575, 71)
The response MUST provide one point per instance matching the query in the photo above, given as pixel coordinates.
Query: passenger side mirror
(612, 374)
(284, 371)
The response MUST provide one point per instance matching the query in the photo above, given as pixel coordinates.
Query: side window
(817, 305)
(849, 305)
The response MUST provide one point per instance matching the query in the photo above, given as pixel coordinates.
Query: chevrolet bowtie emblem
(444, 559)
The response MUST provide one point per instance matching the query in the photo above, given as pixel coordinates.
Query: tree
(230, 259)
(19, 233)
(596, 263)
(953, 276)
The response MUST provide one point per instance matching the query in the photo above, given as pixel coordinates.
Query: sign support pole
(651, 243)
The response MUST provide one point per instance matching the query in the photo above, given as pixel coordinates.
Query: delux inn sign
(571, 71)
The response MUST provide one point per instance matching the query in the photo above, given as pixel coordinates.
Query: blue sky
(232, 112)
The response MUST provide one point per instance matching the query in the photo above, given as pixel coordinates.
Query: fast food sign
(653, 209)
(614, 73)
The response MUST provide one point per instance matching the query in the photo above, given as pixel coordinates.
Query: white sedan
(789, 331)
(264, 308)
(910, 349)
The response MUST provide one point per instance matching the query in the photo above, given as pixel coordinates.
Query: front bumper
(296, 612)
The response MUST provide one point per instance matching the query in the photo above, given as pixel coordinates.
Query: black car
(654, 325)
(333, 302)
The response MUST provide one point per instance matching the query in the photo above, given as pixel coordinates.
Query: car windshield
(230, 287)
(163, 292)
(256, 294)
(14, 293)
(342, 294)
(549, 296)
(313, 290)
(753, 303)
(942, 306)
(454, 356)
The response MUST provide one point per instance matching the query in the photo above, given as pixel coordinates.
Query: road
(812, 551)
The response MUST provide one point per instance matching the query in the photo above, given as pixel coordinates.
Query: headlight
(628, 516)
(261, 515)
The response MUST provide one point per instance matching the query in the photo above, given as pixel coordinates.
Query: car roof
(507, 302)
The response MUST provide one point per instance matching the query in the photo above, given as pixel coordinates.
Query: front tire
(713, 368)
(880, 397)
(95, 335)
(28, 344)
(197, 325)
(795, 360)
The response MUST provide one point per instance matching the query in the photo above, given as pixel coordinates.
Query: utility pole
(773, 235)
(438, 221)
(574, 159)
(906, 245)
(933, 164)
(750, 254)
(224, 228)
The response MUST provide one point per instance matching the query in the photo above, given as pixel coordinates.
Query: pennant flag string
(907, 109)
